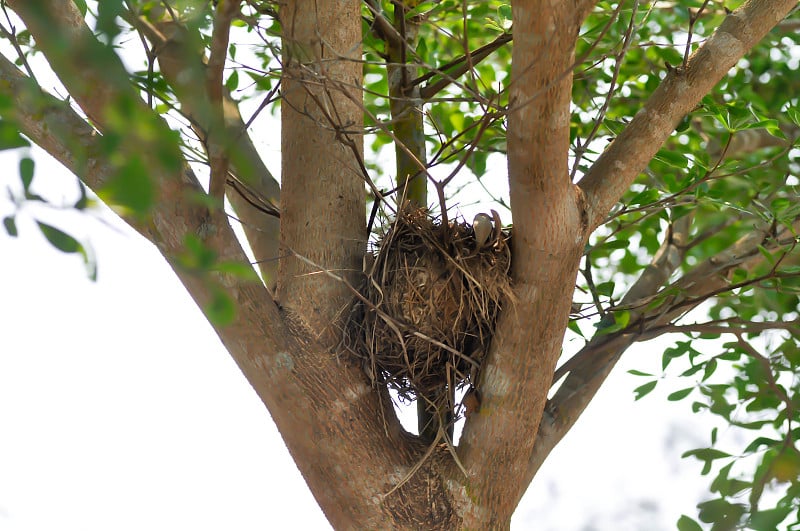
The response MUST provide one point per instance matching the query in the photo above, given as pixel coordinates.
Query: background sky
(120, 409)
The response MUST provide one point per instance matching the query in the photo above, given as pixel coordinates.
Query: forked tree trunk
(365, 471)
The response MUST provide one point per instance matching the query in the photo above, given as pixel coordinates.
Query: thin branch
(735, 327)
(693, 18)
(587, 275)
(11, 36)
(458, 67)
(183, 68)
(381, 25)
(226, 10)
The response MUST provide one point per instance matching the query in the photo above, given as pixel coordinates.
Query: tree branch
(454, 69)
(323, 213)
(665, 261)
(184, 70)
(721, 327)
(682, 88)
(217, 136)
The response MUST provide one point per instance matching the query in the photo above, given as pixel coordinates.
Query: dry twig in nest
(434, 296)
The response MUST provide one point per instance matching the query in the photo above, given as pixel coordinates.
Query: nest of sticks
(431, 300)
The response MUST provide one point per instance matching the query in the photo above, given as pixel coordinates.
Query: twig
(217, 144)
(11, 36)
(459, 67)
(692, 21)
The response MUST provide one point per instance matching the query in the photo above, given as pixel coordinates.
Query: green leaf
(573, 326)
(710, 367)
(786, 466)
(687, 524)
(672, 158)
(766, 254)
(11, 225)
(794, 115)
(232, 83)
(10, 138)
(621, 243)
(680, 395)
(60, 239)
(759, 442)
(26, 166)
(81, 5)
(721, 511)
(605, 289)
(670, 353)
(769, 519)
(645, 197)
(644, 389)
(221, 310)
(622, 318)
(197, 256)
(107, 13)
(130, 189)
(83, 200)
(707, 455)
(237, 269)
(684, 124)
(693, 369)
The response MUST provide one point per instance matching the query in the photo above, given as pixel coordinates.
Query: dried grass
(434, 298)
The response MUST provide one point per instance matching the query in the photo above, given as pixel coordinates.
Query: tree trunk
(323, 225)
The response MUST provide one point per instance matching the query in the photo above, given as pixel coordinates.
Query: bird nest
(430, 303)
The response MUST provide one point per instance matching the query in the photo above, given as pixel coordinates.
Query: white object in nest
(483, 227)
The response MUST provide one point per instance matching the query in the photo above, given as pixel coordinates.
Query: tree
(692, 202)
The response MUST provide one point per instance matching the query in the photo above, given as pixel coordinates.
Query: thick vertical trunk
(323, 211)
(547, 241)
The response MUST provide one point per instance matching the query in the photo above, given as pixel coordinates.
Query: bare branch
(729, 326)
(217, 136)
(257, 200)
(679, 92)
(458, 67)
(693, 18)
(10, 35)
